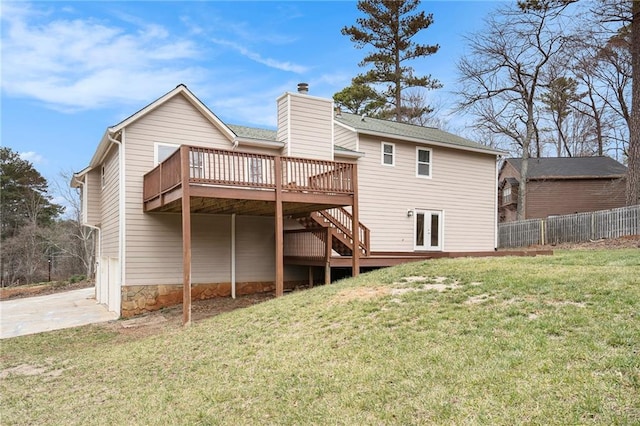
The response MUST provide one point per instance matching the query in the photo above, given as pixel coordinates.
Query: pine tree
(389, 27)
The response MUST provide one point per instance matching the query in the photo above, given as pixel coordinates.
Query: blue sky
(71, 69)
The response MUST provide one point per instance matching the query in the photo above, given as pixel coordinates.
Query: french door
(428, 229)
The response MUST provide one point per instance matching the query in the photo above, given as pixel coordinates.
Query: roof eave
(576, 177)
(430, 142)
(259, 143)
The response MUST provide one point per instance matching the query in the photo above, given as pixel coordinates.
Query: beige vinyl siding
(345, 138)
(210, 248)
(154, 240)
(310, 126)
(154, 247)
(93, 193)
(109, 211)
(462, 187)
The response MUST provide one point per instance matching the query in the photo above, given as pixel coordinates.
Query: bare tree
(503, 74)
(75, 240)
(626, 15)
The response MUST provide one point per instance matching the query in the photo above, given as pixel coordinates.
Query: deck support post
(186, 237)
(327, 255)
(279, 228)
(310, 276)
(355, 229)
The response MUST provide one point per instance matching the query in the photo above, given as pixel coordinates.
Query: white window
(423, 162)
(163, 151)
(388, 153)
(102, 177)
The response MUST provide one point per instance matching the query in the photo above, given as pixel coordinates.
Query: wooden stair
(341, 223)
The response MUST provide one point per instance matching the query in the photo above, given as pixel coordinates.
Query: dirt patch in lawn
(630, 241)
(171, 318)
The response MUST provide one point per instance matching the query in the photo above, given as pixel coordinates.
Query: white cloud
(75, 64)
(269, 62)
(32, 157)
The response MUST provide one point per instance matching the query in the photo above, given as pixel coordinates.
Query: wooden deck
(225, 182)
(214, 181)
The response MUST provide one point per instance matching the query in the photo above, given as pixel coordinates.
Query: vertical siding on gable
(462, 186)
(109, 208)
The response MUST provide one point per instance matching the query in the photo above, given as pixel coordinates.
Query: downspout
(233, 255)
(121, 211)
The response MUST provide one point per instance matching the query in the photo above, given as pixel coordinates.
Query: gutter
(257, 143)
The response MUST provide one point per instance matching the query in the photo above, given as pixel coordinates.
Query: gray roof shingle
(404, 130)
(572, 167)
(253, 133)
(377, 126)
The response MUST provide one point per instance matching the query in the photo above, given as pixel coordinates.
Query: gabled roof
(570, 168)
(180, 90)
(419, 134)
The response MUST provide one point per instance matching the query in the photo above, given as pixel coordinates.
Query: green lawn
(545, 340)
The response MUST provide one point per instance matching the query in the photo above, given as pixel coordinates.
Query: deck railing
(341, 219)
(308, 243)
(219, 167)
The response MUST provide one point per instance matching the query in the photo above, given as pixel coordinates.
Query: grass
(545, 340)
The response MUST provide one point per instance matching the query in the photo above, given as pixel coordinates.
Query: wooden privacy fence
(572, 228)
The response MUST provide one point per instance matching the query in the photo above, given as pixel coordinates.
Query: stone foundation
(138, 299)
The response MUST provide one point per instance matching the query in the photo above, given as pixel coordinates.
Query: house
(267, 210)
(557, 186)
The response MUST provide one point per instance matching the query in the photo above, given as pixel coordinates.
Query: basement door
(428, 230)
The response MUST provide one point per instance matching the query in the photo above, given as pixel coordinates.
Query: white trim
(259, 143)
(430, 163)
(288, 124)
(233, 255)
(333, 130)
(393, 154)
(179, 90)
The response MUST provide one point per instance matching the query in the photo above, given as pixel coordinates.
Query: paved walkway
(32, 315)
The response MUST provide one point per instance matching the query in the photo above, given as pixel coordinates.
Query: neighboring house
(557, 186)
(272, 209)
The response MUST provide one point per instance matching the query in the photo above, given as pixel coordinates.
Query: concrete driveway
(32, 315)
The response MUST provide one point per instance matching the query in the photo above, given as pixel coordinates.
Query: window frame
(429, 163)
(156, 151)
(383, 153)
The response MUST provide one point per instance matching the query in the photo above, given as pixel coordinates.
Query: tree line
(38, 242)
(542, 77)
